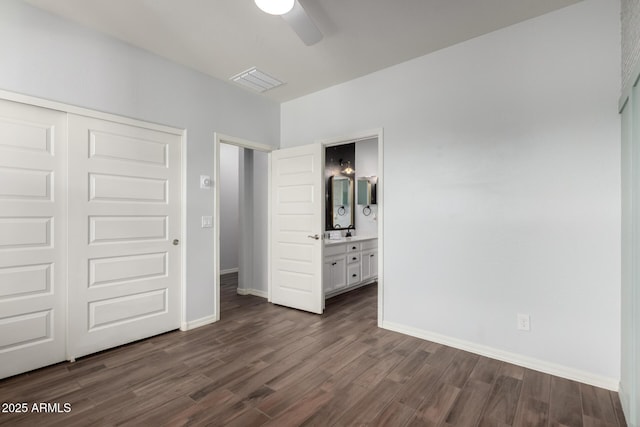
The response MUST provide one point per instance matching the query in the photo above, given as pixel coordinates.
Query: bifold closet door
(32, 237)
(124, 249)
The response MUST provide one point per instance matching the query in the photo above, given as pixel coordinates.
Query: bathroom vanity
(349, 263)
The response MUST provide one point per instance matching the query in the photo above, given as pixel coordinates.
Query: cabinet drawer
(353, 247)
(353, 274)
(335, 250)
(353, 257)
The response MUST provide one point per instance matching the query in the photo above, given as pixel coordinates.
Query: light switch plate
(207, 221)
(205, 182)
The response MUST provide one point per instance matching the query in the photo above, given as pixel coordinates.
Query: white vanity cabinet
(335, 273)
(369, 260)
(349, 264)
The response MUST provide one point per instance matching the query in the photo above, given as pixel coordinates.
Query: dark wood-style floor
(268, 365)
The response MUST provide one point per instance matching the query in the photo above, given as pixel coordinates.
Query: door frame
(361, 136)
(220, 138)
(325, 142)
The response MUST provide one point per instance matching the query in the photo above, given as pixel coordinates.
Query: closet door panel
(125, 270)
(33, 151)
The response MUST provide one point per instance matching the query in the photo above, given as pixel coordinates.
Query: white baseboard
(505, 356)
(625, 403)
(254, 292)
(229, 270)
(187, 326)
(349, 289)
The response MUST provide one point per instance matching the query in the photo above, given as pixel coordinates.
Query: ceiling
(222, 38)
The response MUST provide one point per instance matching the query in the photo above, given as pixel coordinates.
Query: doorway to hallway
(241, 220)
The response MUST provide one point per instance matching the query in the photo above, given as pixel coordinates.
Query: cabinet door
(373, 262)
(335, 273)
(339, 272)
(369, 264)
(327, 280)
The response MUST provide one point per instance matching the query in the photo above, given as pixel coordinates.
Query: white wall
(229, 207)
(630, 295)
(252, 278)
(502, 188)
(366, 165)
(260, 221)
(51, 58)
(630, 42)
(246, 273)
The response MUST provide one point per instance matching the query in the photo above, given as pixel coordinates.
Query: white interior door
(125, 196)
(32, 237)
(297, 189)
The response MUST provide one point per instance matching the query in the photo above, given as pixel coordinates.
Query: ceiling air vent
(256, 80)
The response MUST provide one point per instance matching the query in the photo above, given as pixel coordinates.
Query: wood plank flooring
(267, 365)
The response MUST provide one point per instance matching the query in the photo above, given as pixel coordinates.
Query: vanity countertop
(328, 242)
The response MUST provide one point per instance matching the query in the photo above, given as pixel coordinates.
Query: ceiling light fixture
(275, 7)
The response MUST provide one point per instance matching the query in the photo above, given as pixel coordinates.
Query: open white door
(296, 227)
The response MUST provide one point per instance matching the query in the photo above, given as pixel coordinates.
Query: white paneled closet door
(33, 144)
(124, 249)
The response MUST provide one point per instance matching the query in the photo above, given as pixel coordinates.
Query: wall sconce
(348, 170)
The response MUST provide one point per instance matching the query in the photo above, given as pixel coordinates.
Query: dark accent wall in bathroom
(333, 156)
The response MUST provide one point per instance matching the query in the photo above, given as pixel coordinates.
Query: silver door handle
(176, 242)
(315, 236)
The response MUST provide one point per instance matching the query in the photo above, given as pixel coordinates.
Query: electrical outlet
(524, 322)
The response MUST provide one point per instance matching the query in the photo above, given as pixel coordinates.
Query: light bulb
(275, 7)
(348, 169)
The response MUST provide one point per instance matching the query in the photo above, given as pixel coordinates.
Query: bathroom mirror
(342, 213)
(367, 190)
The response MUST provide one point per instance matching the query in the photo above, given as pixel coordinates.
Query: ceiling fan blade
(302, 24)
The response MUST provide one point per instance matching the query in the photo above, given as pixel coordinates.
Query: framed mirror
(367, 190)
(342, 195)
